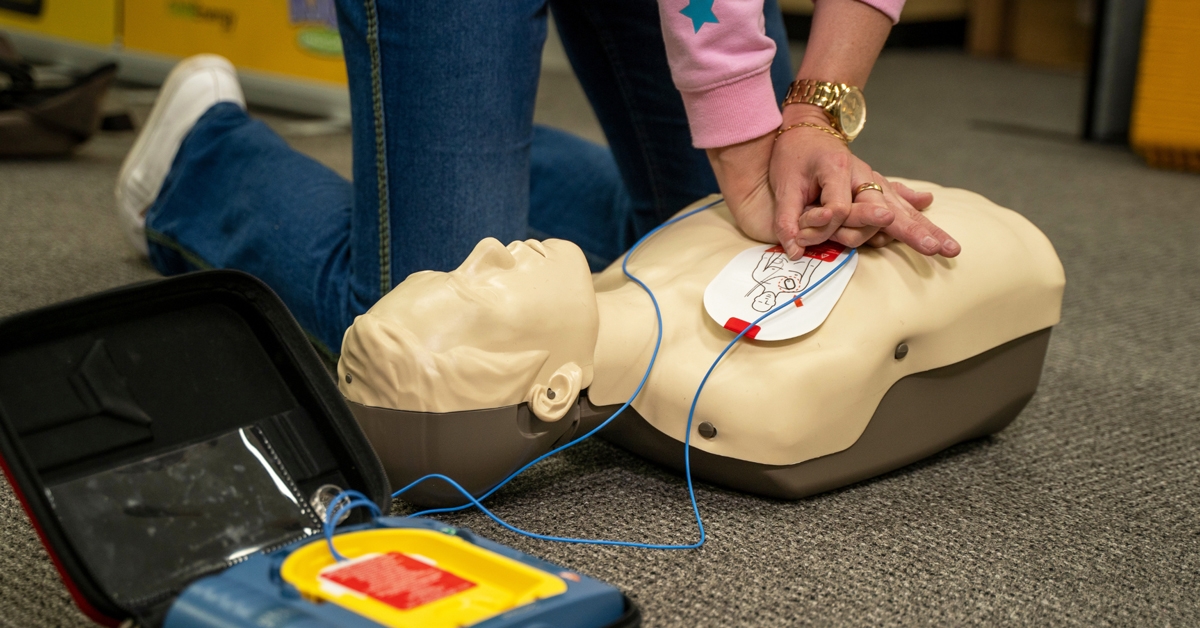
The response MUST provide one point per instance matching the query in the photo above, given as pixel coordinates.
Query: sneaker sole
(175, 79)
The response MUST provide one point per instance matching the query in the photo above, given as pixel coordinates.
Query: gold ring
(869, 185)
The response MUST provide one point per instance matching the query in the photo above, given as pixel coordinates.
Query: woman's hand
(814, 175)
(800, 193)
(789, 212)
(911, 226)
(742, 173)
(814, 185)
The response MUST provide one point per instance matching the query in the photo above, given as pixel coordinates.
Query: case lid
(161, 432)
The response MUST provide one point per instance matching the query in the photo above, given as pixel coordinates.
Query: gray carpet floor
(1086, 511)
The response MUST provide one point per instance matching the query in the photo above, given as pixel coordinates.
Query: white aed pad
(762, 277)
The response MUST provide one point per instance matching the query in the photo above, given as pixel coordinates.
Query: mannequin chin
(527, 323)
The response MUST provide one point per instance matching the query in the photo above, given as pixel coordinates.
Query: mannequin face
(512, 293)
(510, 324)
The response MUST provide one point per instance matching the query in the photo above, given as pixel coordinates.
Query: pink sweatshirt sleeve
(720, 60)
(890, 8)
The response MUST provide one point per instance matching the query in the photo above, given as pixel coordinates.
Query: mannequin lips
(490, 256)
(537, 247)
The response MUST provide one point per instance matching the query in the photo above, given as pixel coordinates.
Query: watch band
(820, 93)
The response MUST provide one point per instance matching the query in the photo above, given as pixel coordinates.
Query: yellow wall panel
(1165, 126)
(82, 21)
(295, 38)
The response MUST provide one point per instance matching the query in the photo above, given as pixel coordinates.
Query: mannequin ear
(551, 401)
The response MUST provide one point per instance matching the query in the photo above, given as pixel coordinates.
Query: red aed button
(397, 580)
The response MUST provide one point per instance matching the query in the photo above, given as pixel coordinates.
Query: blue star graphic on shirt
(700, 12)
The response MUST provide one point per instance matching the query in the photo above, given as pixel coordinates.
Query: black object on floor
(48, 121)
(117, 122)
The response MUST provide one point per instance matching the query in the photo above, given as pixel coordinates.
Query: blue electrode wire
(342, 502)
(356, 499)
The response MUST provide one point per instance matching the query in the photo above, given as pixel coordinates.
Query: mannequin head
(510, 325)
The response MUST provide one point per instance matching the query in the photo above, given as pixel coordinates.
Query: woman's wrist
(803, 112)
(744, 160)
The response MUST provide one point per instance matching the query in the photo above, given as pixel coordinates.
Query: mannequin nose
(489, 254)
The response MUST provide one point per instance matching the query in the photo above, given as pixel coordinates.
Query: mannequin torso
(789, 401)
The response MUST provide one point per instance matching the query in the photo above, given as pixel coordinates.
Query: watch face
(852, 113)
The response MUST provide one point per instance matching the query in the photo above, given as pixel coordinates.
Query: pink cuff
(890, 8)
(733, 112)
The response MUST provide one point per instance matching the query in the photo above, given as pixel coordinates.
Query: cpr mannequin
(527, 329)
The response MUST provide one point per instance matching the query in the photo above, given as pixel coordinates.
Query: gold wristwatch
(844, 104)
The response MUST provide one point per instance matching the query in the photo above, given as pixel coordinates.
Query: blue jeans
(445, 154)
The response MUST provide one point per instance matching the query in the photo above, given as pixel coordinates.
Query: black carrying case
(111, 380)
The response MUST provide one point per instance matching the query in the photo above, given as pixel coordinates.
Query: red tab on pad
(736, 325)
(825, 251)
(397, 580)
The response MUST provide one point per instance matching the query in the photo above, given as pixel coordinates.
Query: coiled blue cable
(355, 499)
(343, 502)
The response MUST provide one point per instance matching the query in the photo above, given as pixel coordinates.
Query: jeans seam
(381, 173)
(635, 118)
(192, 258)
(187, 255)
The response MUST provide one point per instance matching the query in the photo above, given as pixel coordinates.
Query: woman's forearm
(843, 45)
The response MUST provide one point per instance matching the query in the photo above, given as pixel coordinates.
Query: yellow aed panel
(81, 21)
(295, 38)
(408, 578)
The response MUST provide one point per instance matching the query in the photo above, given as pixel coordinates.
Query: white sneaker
(193, 86)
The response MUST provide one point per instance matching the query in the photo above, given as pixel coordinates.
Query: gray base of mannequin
(919, 416)
(477, 448)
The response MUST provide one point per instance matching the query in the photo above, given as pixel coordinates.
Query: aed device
(400, 573)
(175, 443)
